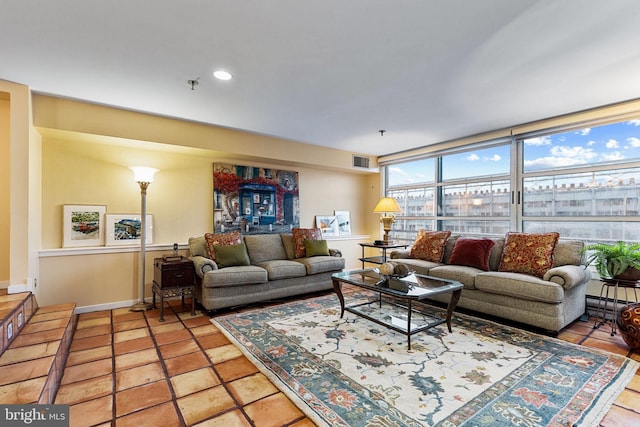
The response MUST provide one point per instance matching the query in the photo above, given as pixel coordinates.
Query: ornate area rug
(353, 372)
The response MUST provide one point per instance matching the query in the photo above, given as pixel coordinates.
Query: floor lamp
(144, 177)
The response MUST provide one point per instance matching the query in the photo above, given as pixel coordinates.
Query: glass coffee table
(396, 312)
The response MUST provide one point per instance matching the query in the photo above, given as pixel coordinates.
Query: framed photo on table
(124, 229)
(344, 222)
(83, 225)
(328, 224)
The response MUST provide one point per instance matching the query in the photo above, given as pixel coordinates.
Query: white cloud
(612, 143)
(543, 140)
(397, 171)
(472, 157)
(634, 122)
(634, 142)
(494, 158)
(590, 143)
(562, 156)
(584, 132)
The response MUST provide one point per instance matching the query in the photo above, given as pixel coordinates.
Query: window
(583, 183)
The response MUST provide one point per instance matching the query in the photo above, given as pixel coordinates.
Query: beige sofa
(274, 272)
(550, 302)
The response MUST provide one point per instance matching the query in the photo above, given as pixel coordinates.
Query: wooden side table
(173, 277)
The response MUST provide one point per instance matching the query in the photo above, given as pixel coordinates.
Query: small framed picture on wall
(344, 222)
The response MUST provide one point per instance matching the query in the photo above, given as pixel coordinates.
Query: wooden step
(15, 312)
(32, 362)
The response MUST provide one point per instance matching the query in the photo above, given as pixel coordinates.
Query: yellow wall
(5, 164)
(84, 161)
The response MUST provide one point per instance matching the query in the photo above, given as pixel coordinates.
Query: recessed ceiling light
(222, 75)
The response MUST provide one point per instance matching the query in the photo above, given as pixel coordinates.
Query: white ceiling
(331, 73)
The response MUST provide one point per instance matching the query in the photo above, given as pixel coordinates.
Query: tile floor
(130, 369)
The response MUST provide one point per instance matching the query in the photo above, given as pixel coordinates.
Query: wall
(5, 170)
(90, 168)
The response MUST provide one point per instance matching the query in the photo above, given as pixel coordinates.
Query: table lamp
(387, 206)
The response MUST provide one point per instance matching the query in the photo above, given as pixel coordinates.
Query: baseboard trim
(108, 306)
(15, 289)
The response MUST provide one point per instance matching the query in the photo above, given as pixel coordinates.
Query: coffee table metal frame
(420, 288)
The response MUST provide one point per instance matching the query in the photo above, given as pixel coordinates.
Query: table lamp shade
(387, 204)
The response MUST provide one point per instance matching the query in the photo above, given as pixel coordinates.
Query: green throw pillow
(230, 255)
(316, 247)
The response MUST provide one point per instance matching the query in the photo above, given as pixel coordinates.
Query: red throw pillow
(429, 245)
(528, 253)
(232, 238)
(472, 252)
(299, 236)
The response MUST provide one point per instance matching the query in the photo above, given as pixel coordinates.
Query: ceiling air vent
(360, 162)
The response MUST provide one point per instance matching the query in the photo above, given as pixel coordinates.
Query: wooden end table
(173, 277)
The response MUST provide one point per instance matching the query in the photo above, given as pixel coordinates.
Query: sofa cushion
(496, 254)
(316, 247)
(528, 253)
(521, 286)
(283, 269)
(198, 246)
(264, 247)
(460, 273)
(429, 245)
(231, 238)
(289, 245)
(568, 252)
(321, 264)
(235, 276)
(231, 255)
(299, 236)
(472, 252)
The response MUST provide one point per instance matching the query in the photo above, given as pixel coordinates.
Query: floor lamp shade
(143, 176)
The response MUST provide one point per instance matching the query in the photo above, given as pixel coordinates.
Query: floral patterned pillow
(300, 235)
(232, 238)
(429, 245)
(528, 253)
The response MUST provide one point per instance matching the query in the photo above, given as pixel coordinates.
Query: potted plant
(618, 261)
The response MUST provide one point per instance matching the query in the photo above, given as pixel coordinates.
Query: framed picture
(83, 225)
(328, 224)
(344, 222)
(123, 229)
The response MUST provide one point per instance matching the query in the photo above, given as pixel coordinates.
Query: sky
(614, 142)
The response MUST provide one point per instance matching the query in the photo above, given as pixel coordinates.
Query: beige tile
(139, 375)
(228, 419)
(30, 352)
(220, 354)
(235, 368)
(25, 370)
(132, 324)
(84, 356)
(23, 392)
(88, 370)
(91, 412)
(251, 388)
(130, 335)
(137, 358)
(90, 323)
(85, 390)
(167, 327)
(194, 381)
(205, 330)
(205, 404)
(130, 346)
